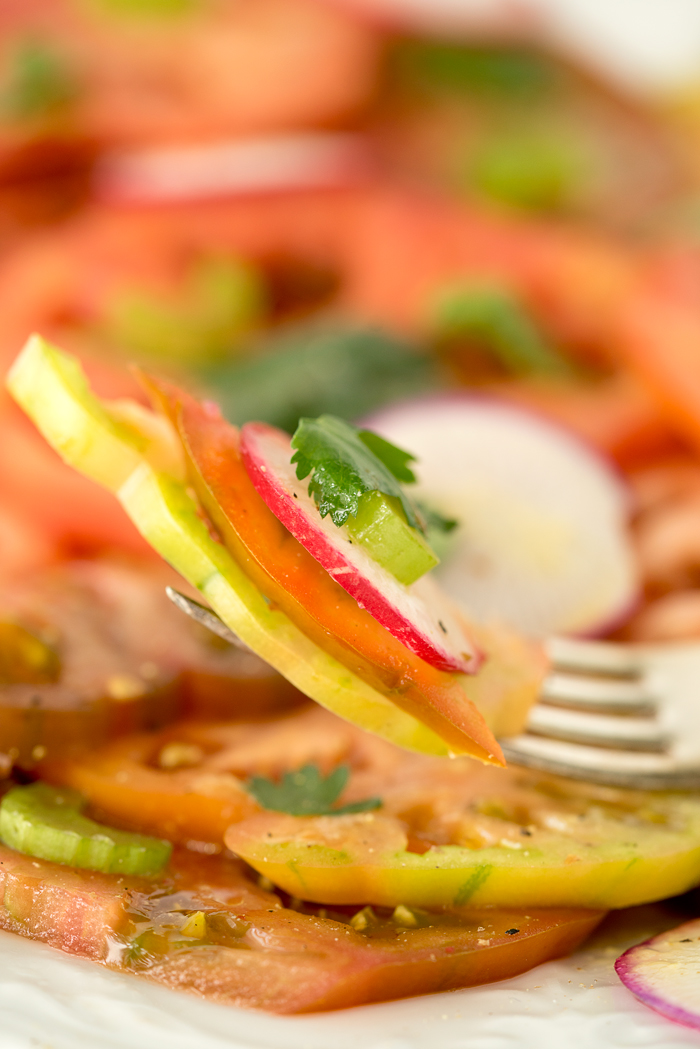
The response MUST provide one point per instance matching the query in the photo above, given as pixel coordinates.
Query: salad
(395, 421)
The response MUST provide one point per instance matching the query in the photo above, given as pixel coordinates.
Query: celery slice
(42, 821)
(381, 527)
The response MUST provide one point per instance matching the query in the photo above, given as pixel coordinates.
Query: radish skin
(663, 973)
(420, 616)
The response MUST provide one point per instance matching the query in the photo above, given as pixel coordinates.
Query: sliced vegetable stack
(136, 455)
(381, 548)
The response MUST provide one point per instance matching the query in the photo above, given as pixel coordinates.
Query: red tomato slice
(290, 577)
(249, 950)
(186, 782)
(117, 658)
(616, 416)
(658, 336)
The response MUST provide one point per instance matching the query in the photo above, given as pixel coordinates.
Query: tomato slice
(187, 782)
(295, 582)
(452, 832)
(448, 833)
(245, 948)
(108, 655)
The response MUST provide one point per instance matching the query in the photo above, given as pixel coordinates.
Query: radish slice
(663, 973)
(418, 615)
(265, 164)
(542, 543)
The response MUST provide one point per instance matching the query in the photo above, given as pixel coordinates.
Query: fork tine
(602, 730)
(207, 617)
(593, 657)
(641, 771)
(609, 695)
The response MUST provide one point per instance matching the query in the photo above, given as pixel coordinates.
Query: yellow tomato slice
(449, 832)
(454, 833)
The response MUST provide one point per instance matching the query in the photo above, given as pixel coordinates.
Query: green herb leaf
(393, 458)
(312, 368)
(434, 520)
(344, 468)
(307, 792)
(493, 318)
(438, 67)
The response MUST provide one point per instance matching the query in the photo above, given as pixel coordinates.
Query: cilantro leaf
(307, 792)
(344, 467)
(493, 319)
(306, 369)
(394, 458)
(434, 520)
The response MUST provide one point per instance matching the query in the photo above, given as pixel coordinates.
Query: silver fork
(625, 715)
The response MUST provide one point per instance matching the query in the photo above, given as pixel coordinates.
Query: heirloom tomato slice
(204, 926)
(455, 833)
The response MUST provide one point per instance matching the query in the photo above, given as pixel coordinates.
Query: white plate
(51, 1001)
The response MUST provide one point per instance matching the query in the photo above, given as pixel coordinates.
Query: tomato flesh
(449, 832)
(251, 944)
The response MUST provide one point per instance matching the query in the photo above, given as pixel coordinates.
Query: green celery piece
(222, 301)
(344, 467)
(42, 821)
(382, 529)
(82, 430)
(529, 169)
(146, 8)
(439, 67)
(40, 82)
(493, 318)
(307, 792)
(311, 369)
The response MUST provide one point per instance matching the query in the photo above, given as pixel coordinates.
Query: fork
(624, 715)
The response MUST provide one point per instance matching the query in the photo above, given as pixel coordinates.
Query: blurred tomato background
(307, 206)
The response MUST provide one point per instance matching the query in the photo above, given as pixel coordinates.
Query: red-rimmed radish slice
(663, 973)
(542, 543)
(262, 164)
(418, 615)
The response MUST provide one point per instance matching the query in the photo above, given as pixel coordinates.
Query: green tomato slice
(513, 838)
(129, 451)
